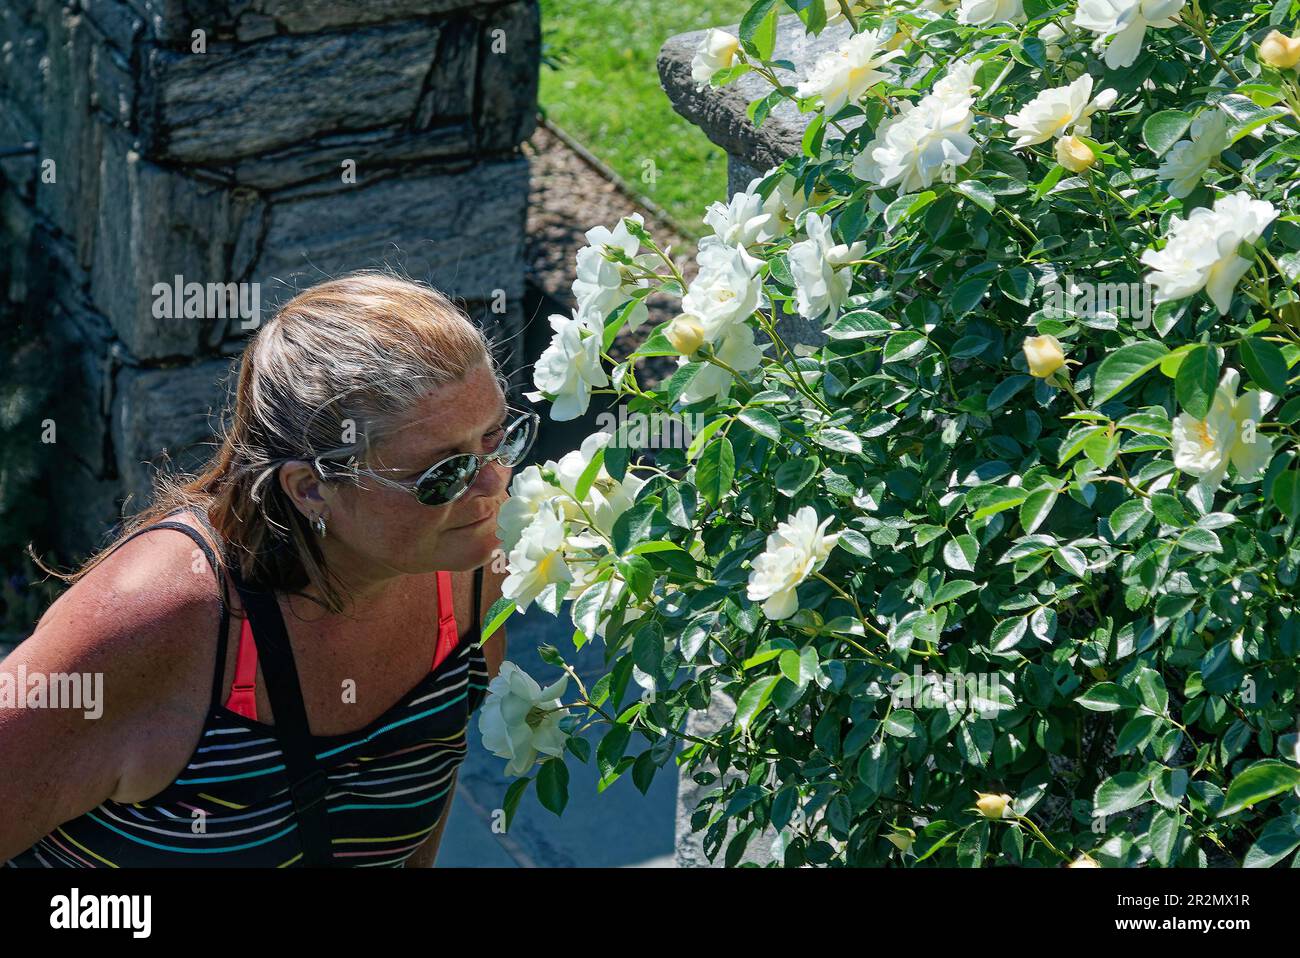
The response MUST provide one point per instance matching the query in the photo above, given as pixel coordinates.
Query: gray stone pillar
(721, 113)
(267, 142)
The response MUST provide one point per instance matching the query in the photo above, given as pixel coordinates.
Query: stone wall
(265, 143)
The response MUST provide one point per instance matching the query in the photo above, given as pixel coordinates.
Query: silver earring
(318, 524)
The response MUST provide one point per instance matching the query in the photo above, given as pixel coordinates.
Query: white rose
(797, 549)
(1188, 159)
(819, 266)
(1124, 23)
(843, 75)
(537, 561)
(520, 720)
(912, 148)
(1059, 111)
(528, 493)
(738, 350)
(600, 285)
(1200, 252)
(743, 221)
(1204, 447)
(725, 291)
(717, 51)
(569, 368)
(983, 13)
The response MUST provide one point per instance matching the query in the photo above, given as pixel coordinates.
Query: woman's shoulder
(145, 603)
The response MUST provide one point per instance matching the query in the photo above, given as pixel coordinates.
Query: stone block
(507, 82)
(162, 415)
(155, 224)
(460, 232)
(241, 100)
(173, 21)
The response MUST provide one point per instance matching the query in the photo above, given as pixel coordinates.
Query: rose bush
(1049, 439)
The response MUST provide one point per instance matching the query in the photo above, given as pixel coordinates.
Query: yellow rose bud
(1044, 355)
(1083, 861)
(685, 333)
(992, 806)
(1279, 50)
(1073, 154)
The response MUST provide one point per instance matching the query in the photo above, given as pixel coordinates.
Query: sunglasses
(447, 479)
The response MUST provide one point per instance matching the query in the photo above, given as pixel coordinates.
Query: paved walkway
(617, 828)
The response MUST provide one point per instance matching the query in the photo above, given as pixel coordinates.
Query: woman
(310, 708)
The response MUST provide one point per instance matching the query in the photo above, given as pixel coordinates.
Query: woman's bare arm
(142, 627)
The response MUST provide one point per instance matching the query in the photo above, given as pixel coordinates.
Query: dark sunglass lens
(515, 444)
(448, 481)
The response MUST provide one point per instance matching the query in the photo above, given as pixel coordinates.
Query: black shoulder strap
(308, 783)
(224, 628)
(478, 602)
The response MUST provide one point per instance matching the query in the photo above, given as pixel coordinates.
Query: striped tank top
(256, 795)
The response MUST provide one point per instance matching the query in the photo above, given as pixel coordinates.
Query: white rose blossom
(520, 720)
(1058, 112)
(1188, 159)
(820, 268)
(1124, 23)
(537, 561)
(569, 368)
(725, 291)
(600, 285)
(912, 148)
(745, 220)
(842, 76)
(984, 13)
(716, 52)
(1200, 252)
(1204, 447)
(797, 549)
(738, 350)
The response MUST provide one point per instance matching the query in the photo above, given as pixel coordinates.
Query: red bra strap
(243, 697)
(448, 634)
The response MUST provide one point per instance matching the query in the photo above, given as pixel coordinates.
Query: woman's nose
(492, 479)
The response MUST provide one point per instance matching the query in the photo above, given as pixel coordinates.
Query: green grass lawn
(606, 94)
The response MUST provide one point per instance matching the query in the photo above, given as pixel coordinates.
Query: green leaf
(960, 553)
(1162, 130)
(1163, 834)
(553, 785)
(1197, 380)
(1037, 507)
(1124, 367)
(762, 422)
(715, 471)
(978, 193)
(1277, 839)
(1265, 363)
(1257, 783)
(840, 440)
(1105, 697)
(511, 802)
(794, 475)
(1286, 493)
(753, 700)
(1120, 792)
(973, 845)
(501, 610)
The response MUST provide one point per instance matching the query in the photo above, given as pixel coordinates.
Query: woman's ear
(303, 487)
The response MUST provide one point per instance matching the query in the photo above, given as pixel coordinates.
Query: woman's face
(376, 530)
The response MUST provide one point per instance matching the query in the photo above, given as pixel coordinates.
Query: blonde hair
(329, 377)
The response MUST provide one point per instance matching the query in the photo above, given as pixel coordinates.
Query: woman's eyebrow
(445, 449)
